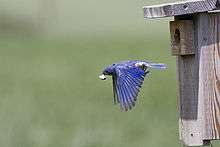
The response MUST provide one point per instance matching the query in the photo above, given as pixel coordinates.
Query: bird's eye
(106, 72)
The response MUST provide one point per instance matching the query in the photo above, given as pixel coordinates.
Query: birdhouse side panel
(209, 73)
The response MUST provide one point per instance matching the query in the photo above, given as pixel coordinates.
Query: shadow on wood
(195, 40)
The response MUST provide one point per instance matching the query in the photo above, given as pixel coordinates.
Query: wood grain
(198, 68)
(199, 84)
(209, 73)
(190, 122)
(179, 8)
(182, 37)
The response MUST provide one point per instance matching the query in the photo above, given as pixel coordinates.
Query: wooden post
(209, 73)
(195, 40)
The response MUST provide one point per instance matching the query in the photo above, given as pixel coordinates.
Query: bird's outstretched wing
(126, 84)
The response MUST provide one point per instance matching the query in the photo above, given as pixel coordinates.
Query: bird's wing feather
(126, 83)
(116, 99)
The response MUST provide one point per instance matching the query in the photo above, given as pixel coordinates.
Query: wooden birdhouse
(195, 41)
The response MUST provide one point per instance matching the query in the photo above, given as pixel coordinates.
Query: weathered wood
(179, 8)
(199, 84)
(209, 73)
(182, 37)
(195, 40)
(190, 122)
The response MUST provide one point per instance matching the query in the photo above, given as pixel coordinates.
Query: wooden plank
(209, 73)
(198, 73)
(182, 37)
(179, 8)
(199, 84)
(190, 122)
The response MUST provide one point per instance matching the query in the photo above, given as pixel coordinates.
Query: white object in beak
(102, 77)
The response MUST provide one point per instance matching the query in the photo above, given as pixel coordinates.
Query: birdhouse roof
(179, 8)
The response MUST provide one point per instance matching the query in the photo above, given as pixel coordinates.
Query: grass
(51, 96)
(49, 88)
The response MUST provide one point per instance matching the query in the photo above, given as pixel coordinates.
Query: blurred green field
(50, 94)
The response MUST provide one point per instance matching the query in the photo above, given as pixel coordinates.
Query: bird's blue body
(128, 76)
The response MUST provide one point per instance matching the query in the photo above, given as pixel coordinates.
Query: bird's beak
(102, 77)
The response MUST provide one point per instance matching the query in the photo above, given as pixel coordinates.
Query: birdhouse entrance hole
(182, 37)
(195, 43)
(177, 37)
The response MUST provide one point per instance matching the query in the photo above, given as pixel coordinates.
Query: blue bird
(128, 76)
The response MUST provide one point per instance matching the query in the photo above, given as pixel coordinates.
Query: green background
(51, 53)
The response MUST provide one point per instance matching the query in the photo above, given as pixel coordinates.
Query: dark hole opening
(177, 36)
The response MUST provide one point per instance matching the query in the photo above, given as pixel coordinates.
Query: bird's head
(107, 71)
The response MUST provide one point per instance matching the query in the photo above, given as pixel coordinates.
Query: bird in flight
(128, 77)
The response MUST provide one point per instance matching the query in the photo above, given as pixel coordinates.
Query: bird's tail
(158, 65)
